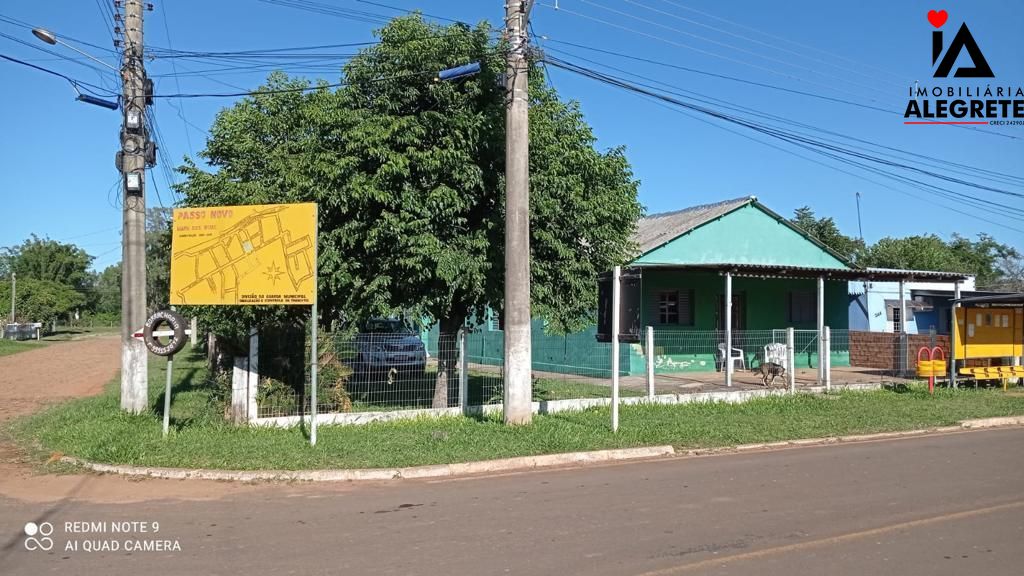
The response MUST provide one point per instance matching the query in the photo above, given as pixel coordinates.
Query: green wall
(748, 235)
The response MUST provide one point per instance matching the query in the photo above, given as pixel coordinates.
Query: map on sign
(247, 255)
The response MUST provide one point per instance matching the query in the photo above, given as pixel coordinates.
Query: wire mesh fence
(407, 370)
(357, 372)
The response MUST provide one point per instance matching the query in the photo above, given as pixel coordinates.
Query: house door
(739, 312)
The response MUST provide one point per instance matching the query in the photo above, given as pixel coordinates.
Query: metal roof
(783, 271)
(1010, 298)
(657, 229)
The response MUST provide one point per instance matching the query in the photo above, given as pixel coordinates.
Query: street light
(51, 39)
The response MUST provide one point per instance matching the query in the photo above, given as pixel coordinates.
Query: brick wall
(882, 349)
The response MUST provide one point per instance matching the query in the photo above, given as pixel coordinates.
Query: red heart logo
(937, 18)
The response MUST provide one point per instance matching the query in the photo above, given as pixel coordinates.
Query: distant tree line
(996, 266)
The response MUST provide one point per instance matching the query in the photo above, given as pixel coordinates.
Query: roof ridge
(742, 199)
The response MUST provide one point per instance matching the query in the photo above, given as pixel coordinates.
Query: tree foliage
(45, 259)
(994, 265)
(827, 232)
(408, 174)
(981, 257)
(158, 258)
(42, 300)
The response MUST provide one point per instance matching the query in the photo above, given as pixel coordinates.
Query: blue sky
(59, 178)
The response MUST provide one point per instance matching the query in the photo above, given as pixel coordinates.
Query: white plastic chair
(736, 356)
(775, 353)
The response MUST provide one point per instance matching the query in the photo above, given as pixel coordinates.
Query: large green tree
(981, 257)
(408, 174)
(158, 258)
(827, 232)
(41, 300)
(45, 259)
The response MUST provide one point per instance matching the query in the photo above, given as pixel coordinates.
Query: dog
(769, 371)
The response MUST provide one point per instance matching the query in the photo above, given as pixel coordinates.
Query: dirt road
(31, 380)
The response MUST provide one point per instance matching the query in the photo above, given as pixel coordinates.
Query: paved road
(949, 504)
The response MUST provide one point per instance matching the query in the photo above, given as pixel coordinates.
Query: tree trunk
(447, 358)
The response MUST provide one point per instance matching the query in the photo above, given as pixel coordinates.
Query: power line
(290, 90)
(791, 76)
(796, 53)
(177, 83)
(74, 82)
(945, 164)
(780, 38)
(835, 153)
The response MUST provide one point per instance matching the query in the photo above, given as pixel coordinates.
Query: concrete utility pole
(518, 361)
(14, 286)
(134, 380)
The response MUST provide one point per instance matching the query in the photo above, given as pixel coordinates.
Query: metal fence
(411, 371)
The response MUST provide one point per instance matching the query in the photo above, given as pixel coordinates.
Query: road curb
(993, 422)
(518, 464)
(429, 471)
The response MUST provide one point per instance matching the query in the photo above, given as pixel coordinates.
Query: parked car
(386, 343)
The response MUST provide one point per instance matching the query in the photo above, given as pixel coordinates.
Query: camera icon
(37, 536)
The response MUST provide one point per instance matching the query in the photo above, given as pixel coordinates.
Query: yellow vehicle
(991, 329)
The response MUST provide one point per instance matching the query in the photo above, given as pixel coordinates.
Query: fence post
(650, 362)
(616, 275)
(195, 329)
(826, 358)
(463, 372)
(239, 390)
(791, 359)
(253, 376)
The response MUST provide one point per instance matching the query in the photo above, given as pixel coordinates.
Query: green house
(776, 273)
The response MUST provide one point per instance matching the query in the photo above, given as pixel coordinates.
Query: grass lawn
(94, 428)
(13, 346)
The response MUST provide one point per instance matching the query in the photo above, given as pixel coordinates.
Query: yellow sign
(988, 333)
(261, 254)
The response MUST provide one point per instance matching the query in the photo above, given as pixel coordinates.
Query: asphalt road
(948, 504)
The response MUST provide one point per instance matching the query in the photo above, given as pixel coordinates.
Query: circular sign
(164, 323)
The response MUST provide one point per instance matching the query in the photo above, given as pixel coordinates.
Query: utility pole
(14, 286)
(518, 362)
(134, 142)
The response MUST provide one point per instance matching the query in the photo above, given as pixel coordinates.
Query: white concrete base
(546, 407)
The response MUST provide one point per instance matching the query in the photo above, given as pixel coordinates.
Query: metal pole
(952, 334)
(821, 327)
(615, 347)
(167, 395)
(903, 330)
(791, 358)
(826, 362)
(314, 352)
(463, 372)
(14, 288)
(728, 329)
(650, 362)
(134, 359)
(518, 360)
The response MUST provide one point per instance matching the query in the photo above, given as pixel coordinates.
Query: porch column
(821, 329)
(728, 328)
(903, 331)
(952, 332)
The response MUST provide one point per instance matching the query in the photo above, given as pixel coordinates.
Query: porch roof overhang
(1011, 299)
(784, 271)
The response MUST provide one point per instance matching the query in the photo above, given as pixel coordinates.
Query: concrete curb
(993, 422)
(431, 471)
(517, 464)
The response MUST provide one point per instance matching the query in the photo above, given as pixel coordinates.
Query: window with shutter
(803, 306)
(673, 308)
